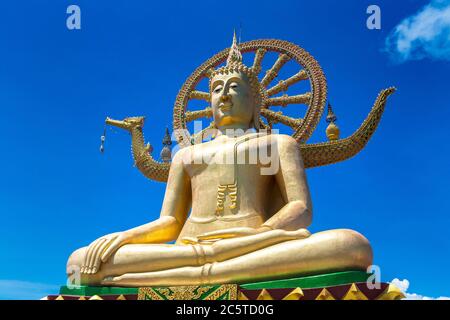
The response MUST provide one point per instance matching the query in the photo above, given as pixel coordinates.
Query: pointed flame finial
(331, 117)
(166, 153)
(332, 130)
(234, 56)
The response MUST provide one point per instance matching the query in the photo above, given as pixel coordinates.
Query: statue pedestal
(347, 285)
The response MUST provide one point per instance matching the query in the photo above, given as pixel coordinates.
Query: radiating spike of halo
(193, 115)
(285, 100)
(275, 117)
(283, 85)
(209, 72)
(201, 95)
(259, 55)
(273, 72)
(234, 55)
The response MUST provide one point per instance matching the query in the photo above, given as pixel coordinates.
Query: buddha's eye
(234, 85)
(217, 89)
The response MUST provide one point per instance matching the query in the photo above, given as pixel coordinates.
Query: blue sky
(57, 192)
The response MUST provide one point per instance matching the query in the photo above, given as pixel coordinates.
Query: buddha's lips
(225, 107)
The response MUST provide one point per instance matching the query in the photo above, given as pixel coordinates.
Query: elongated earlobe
(255, 120)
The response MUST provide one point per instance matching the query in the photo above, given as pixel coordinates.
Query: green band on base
(317, 281)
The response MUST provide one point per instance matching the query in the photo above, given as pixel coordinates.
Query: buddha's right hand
(100, 250)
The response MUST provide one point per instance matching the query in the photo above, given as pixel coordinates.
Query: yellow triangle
(264, 295)
(354, 294)
(242, 296)
(391, 293)
(295, 294)
(96, 297)
(82, 298)
(121, 297)
(60, 297)
(325, 295)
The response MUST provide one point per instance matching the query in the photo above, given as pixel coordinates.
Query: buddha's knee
(354, 247)
(73, 269)
(76, 260)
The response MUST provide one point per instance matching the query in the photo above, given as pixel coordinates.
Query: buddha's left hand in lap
(213, 236)
(231, 233)
(216, 235)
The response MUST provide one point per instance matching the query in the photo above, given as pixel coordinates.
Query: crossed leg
(269, 255)
(328, 251)
(144, 258)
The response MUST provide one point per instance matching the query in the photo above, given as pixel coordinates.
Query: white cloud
(403, 285)
(425, 34)
(24, 290)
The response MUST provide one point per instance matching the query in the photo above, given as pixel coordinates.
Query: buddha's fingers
(227, 233)
(124, 279)
(111, 281)
(140, 279)
(110, 248)
(98, 259)
(190, 240)
(299, 234)
(92, 255)
(96, 255)
(88, 255)
(221, 236)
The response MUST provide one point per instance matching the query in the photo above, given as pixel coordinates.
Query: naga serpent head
(127, 123)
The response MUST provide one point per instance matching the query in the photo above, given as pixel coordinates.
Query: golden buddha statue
(234, 220)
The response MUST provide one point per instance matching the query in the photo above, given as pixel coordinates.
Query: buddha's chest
(224, 161)
(230, 175)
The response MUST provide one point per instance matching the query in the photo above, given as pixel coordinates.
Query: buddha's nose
(225, 98)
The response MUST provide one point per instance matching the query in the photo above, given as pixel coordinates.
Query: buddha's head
(235, 93)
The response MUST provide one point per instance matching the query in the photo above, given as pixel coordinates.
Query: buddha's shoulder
(181, 154)
(187, 152)
(282, 140)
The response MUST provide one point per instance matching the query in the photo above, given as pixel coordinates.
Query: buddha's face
(232, 100)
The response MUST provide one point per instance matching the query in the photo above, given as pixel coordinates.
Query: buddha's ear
(256, 123)
(255, 119)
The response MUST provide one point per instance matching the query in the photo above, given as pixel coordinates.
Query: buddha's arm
(291, 180)
(175, 208)
(174, 211)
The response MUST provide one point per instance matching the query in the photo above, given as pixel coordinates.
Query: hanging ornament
(102, 140)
